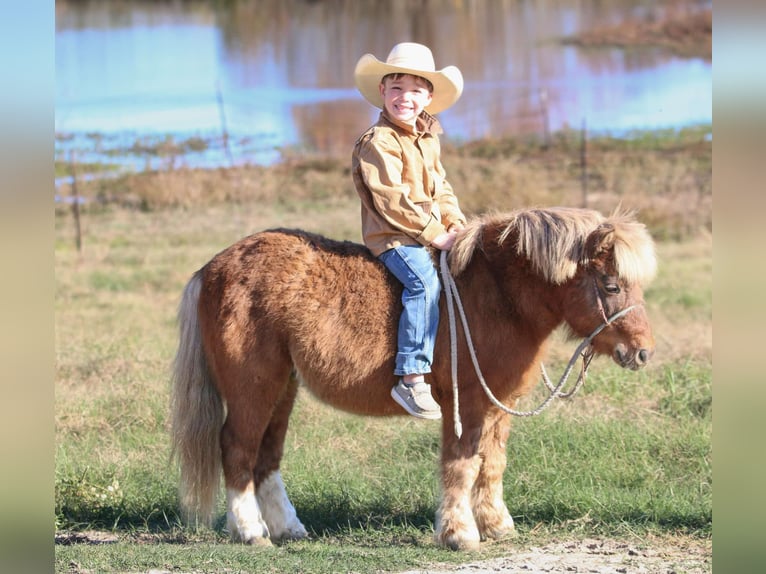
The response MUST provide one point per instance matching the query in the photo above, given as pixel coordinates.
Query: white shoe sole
(431, 416)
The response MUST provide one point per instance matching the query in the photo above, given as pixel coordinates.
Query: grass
(628, 457)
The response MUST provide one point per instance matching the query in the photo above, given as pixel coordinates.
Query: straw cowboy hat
(409, 58)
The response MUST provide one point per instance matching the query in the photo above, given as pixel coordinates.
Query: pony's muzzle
(632, 360)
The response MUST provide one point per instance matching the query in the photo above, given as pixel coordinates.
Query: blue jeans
(413, 266)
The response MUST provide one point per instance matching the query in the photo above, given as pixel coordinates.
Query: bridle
(584, 350)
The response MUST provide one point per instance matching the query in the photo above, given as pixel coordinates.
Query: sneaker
(417, 400)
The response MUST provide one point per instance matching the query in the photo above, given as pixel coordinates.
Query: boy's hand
(444, 241)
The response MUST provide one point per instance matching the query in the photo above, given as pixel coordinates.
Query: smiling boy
(407, 203)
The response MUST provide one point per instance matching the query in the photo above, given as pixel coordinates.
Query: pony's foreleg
(455, 524)
(277, 510)
(489, 509)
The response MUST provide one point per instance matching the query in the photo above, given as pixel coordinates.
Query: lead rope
(583, 350)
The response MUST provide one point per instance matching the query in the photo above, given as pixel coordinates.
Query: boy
(407, 204)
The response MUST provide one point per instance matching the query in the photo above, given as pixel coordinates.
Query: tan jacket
(399, 177)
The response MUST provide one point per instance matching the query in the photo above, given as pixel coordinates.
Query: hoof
(462, 545)
(293, 535)
(504, 530)
(457, 531)
(259, 541)
(500, 534)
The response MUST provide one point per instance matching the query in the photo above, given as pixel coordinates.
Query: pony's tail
(197, 415)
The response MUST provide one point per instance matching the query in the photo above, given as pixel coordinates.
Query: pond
(277, 75)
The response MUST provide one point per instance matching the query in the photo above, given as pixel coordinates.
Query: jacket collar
(424, 124)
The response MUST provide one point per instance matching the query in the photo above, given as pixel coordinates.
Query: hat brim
(447, 82)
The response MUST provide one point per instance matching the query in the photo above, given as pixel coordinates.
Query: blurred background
(276, 76)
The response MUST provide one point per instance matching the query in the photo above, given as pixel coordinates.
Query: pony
(285, 307)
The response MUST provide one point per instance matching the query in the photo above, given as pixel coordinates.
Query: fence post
(75, 202)
(546, 119)
(584, 163)
(222, 115)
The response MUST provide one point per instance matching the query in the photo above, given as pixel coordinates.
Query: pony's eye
(612, 288)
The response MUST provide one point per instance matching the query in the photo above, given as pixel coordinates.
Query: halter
(584, 350)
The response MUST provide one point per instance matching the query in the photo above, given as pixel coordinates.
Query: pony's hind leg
(489, 509)
(276, 508)
(243, 515)
(258, 394)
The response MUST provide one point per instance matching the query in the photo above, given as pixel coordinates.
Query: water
(279, 74)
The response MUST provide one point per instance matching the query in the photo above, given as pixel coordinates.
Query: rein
(583, 350)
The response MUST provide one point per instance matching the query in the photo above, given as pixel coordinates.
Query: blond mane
(554, 240)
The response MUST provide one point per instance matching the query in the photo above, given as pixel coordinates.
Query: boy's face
(405, 97)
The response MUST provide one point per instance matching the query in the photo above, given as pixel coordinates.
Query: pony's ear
(600, 243)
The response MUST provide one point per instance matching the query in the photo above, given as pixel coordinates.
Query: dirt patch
(591, 555)
(600, 556)
(67, 538)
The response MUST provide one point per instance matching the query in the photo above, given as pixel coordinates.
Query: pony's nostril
(643, 356)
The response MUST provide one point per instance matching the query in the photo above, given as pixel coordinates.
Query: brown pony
(284, 306)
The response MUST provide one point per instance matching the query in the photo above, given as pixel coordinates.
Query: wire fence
(586, 168)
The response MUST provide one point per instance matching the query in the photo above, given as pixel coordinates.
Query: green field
(630, 457)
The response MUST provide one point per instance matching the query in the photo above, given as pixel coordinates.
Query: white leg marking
(507, 522)
(243, 517)
(496, 521)
(463, 514)
(278, 511)
(459, 519)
